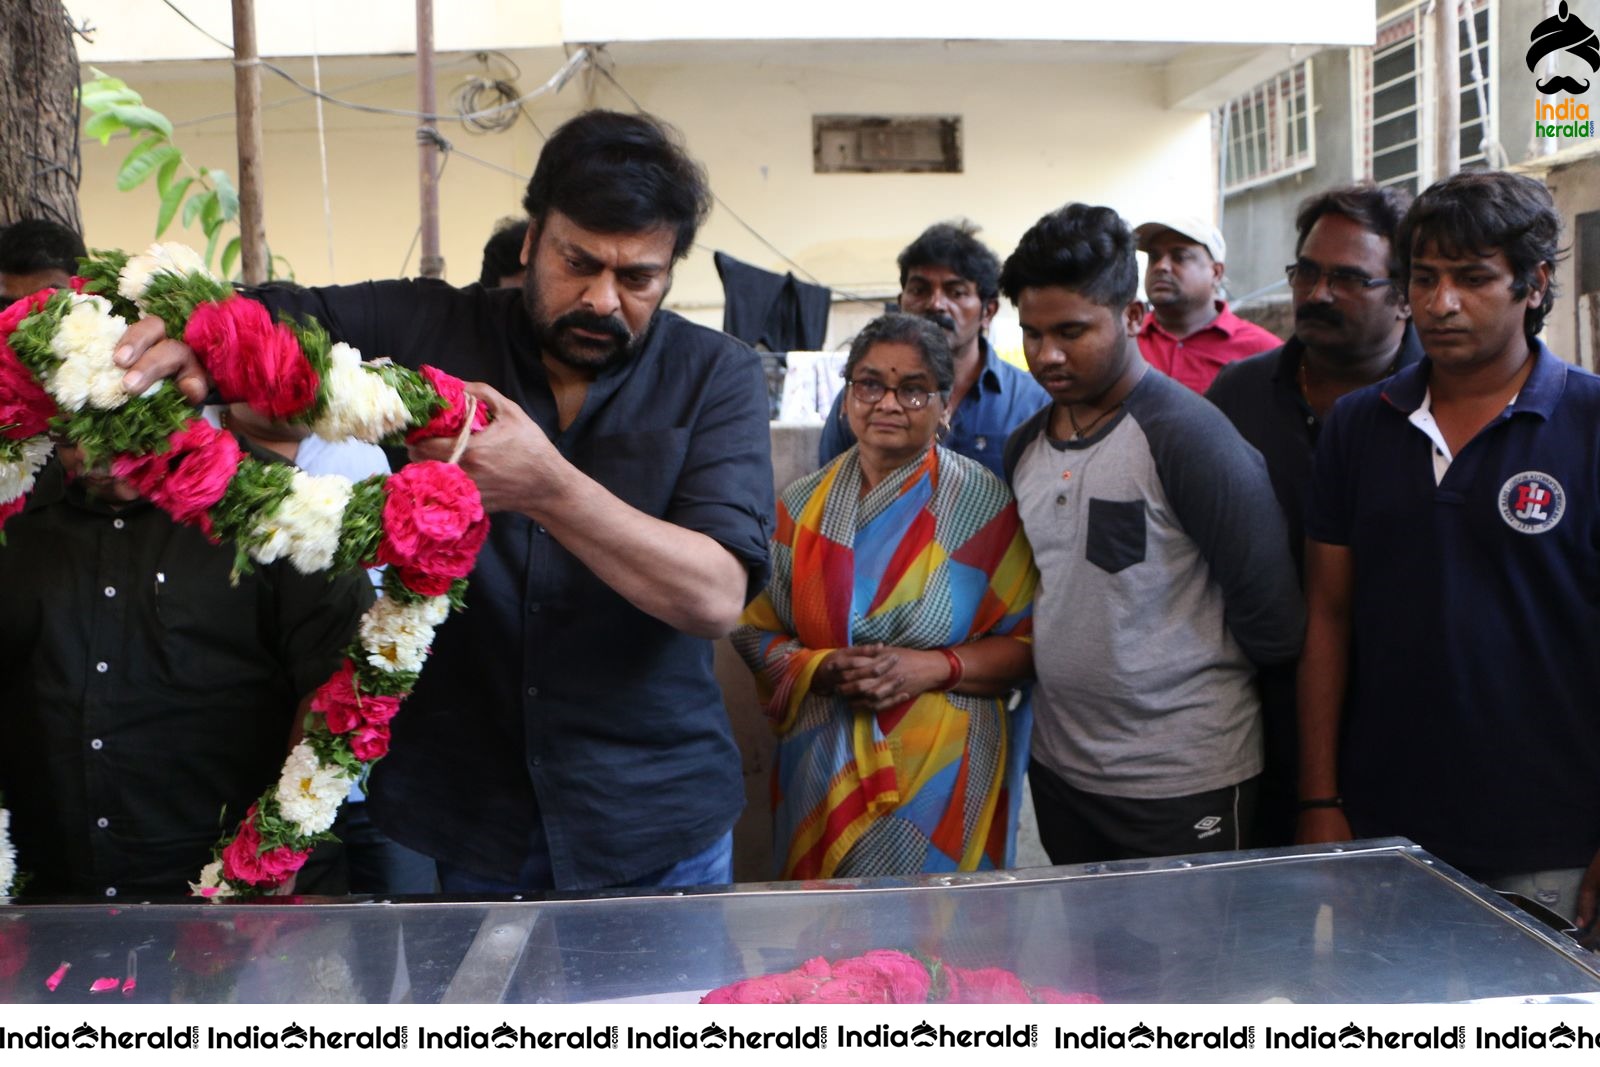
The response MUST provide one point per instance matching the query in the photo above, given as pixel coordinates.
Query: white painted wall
(1036, 136)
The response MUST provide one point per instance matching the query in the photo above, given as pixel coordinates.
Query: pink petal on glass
(129, 985)
(55, 979)
(104, 985)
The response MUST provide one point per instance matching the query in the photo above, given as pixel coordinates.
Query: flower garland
(425, 522)
(887, 976)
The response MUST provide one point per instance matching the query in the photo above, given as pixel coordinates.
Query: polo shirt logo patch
(1532, 502)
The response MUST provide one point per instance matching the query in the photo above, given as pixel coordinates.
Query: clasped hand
(876, 677)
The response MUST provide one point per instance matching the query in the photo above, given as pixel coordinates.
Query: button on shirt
(132, 720)
(1195, 360)
(585, 727)
(998, 402)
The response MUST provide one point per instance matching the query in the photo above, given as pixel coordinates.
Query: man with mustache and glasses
(1352, 327)
(1451, 662)
(1189, 334)
(568, 732)
(952, 279)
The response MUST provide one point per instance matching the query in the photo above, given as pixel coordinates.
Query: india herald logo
(1532, 502)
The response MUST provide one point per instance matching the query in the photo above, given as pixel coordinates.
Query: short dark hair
(914, 330)
(29, 246)
(1377, 209)
(954, 246)
(1480, 212)
(1087, 249)
(502, 252)
(620, 173)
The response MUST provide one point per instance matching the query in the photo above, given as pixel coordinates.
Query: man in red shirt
(1189, 334)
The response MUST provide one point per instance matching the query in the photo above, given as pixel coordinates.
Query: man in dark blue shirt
(568, 731)
(1452, 657)
(951, 279)
(1351, 328)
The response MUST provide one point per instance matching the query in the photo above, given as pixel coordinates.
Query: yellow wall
(1036, 135)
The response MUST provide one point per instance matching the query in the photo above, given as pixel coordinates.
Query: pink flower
(12, 507)
(433, 526)
(986, 985)
(370, 741)
(252, 358)
(906, 979)
(346, 708)
(188, 479)
(245, 860)
(448, 422)
(12, 316)
(25, 408)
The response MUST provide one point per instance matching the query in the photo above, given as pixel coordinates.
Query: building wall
(1259, 222)
(1035, 136)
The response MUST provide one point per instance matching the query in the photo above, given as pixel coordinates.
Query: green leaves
(205, 195)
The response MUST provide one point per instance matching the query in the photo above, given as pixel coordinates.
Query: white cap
(1193, 227)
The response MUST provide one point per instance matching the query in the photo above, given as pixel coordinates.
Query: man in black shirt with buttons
(568, 731)
(146, 700)
(1351, 327)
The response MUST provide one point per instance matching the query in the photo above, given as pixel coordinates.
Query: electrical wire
(723, 204)
(574, 63)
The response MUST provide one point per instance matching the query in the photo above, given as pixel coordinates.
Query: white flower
(8, 855)
(211, 883)
(360, 403)
(396, 636)
(16, 476)
(168, 258)
(84, 342)
(309, 793)
(305, 528)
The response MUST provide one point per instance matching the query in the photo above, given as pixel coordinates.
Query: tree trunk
(39, 164)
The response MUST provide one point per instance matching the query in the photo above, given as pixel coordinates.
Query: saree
(933, 556)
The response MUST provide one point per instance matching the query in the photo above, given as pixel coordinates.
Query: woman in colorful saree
(888, 642)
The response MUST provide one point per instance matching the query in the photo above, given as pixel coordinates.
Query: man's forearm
(1324, 667)
(680, 576)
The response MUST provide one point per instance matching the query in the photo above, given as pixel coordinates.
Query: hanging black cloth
(777, 312)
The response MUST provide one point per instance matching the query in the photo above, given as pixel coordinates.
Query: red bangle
(958, 669)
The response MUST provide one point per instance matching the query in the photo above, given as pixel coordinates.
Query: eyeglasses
(1341, 282)
(869, 392)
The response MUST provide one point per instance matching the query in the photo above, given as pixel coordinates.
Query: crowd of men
(1350, 590)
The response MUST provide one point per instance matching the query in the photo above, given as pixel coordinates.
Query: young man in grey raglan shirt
(1165, 576)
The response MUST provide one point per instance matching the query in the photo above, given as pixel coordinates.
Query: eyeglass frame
(1339, 279)
(901, 393)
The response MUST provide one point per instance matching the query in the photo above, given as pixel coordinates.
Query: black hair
(619, 173)
(30, 246)
(954, 246)
(1377, 209)
(502, 252)
(1087, 249)
(1480, 212)
(914, 330)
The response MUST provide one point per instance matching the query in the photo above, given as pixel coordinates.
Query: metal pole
(247, 124)
(432, 263)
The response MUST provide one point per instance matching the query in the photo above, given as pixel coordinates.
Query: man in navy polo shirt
(952, 279)
(1452, 656)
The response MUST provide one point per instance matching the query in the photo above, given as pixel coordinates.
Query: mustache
(593, 323)
(1318, 313)
(941, 320)
(1561, 83)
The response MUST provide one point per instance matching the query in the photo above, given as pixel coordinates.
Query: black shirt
(553, 704)
(146, 700)
(1261, 397)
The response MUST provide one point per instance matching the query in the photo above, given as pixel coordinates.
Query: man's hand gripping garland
(425, 522)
